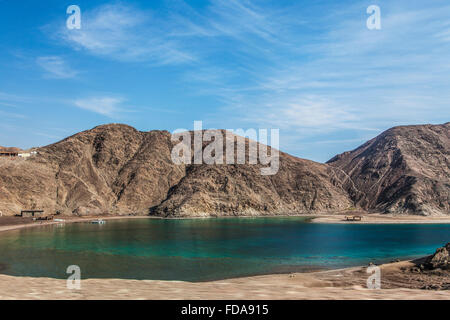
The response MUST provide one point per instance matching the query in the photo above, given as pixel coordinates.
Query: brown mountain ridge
(405, 169)
(117, 169)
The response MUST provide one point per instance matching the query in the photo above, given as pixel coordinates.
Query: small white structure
(24, 155)
(27, 154)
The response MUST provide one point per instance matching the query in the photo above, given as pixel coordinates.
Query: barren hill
(118, 170)
(405, 169)
(300, 186)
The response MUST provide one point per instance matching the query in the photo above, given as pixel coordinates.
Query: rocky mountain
(405, 169)
(116, 169)
(112, 168)
(299, 186)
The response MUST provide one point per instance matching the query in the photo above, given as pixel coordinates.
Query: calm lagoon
(209, 249)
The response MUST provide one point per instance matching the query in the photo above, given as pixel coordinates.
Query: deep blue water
(208, 249)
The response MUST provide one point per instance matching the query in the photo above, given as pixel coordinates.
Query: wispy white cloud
(351, 76)
(50, 136)
(345, 79)
(56, 67)
(237, 19)
(14, 115)
(8, 97)
(107, 106)
(7, 104)
(122, 32)
(305, 112)
(308, 69)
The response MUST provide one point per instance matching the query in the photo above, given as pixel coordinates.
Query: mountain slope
(112, 168)
(299, 186)
(405, 169)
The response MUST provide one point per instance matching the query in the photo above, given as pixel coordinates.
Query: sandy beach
(337, 284)
(14, 223)
(381, 218)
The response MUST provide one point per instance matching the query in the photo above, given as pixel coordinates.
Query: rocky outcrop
(440, 259)
(405, 170)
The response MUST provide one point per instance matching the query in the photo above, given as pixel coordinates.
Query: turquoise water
(209, 249)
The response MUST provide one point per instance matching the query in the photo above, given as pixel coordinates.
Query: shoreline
(367, 218)
(67, 220)
(378, 218)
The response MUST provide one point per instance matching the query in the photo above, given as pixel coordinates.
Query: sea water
(209, 249)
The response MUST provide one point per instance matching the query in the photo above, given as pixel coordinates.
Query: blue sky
(310, 68)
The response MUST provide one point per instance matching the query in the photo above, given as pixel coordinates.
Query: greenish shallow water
(209, 249)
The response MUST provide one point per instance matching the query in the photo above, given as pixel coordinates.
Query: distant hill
(405, 169)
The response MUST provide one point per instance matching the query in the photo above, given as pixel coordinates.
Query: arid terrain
(115, 169)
